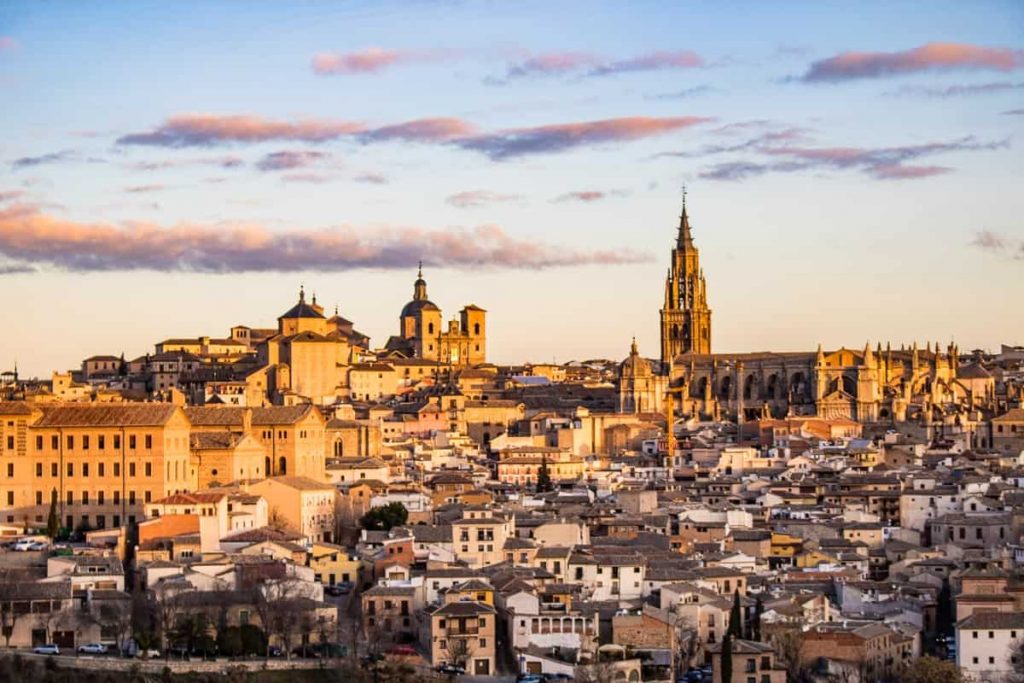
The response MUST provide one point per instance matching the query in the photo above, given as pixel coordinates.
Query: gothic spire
(685, 238)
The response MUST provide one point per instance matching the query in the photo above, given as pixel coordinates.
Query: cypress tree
(736, 616)
(726, 676)
(755, 627)
(544, 475)
(52, 525)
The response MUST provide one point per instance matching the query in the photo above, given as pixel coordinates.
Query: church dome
(419, 302)
(301, 309)
(635, 365)
(416, 305)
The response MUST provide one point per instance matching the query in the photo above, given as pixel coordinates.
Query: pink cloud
(588, 196)
(560, 63)
(8, 44)
(997, 243)
(201, 130)
(289, 159)
(478, 198)
(558, 137)
(422, 130)
(29, 237)
(372, 178)
(372, 60)
(143, 189)
(930, 57)
(900, 172)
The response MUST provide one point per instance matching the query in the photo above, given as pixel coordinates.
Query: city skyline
(845, 184)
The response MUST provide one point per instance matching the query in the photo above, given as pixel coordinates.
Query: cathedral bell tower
(685, 316)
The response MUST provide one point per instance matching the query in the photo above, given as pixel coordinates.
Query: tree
(458, 651)
(755, 623)
(384, 517)
(726, 660)
(931, 670)
(52, 523)
(736, 616)
(788, 641)
(544, 475)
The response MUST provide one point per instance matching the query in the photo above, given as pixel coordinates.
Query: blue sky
(853, 169)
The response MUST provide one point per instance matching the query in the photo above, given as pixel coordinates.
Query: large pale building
(869, 385)
(421, 332)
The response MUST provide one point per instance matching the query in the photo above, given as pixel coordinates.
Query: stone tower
(685, 316)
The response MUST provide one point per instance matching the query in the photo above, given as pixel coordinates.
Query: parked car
(451, 670)
(47, 649)
(93, 649)
(346, 587)
(306, 651)
(403, 651)
(23, 545)
(529, 678)
(332, 649)
(334, 590)
(557, 677)
(148, 654)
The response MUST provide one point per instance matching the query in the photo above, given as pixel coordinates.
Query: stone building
(421, 333)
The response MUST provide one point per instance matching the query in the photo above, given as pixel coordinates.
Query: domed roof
(301, 309)
(419, 302)
(635, 365)
(416, 305)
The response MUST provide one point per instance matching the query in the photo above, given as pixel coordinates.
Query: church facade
(873, 385)
(422, 334)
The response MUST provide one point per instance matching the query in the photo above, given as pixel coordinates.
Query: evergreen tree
(52, 525)
(736, 616)
(726, 676)
(544, 475)
(384, 517)
(755, 627)
(122, 367)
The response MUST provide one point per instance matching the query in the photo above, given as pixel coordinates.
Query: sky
(853, 170)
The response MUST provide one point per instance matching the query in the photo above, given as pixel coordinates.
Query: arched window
(282, 466)
(339, 446)
(476, 328)
(266, 466)
(430, 328)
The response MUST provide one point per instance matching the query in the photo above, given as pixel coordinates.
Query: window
(131, 497)
(117, 469)
(117, 441)
(149, 469)
(101, 442)
(39, 497)
(149, 496)
(85, 469)
(483, 642)
(70, 498)
(39, 443)
(117, 501)
(10, 498)
(149, 440)
(131, 441)
(85, 497)
(10, 469)
(85, 442)
(53, 469)
(131, 469)
(71, 442)
(99, 497)
(101, 469)
(71, 469)
(54, 442)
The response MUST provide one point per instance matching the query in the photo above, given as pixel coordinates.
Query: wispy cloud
(966, 90)
(289, 159)
(1014, 112)
(29, 237)
(477, 198)
(371, 178)
(591, 65)
(204, 130)
(8, 44)
(588, 196)
(42, 159)
(207, 130)
(222, 162)
(555, 138)
(10, 195)
(373, 60)
(997, 243)
(684, 94)
(930, 57)
(144, 189)
(421, 130)
(881, 163)
(307, 177)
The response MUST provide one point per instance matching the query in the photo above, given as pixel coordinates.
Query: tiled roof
(107, 415)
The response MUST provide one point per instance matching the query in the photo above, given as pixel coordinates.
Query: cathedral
(871, 385)
(421, 333)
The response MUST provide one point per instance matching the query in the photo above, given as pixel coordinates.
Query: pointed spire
(419, 273)
(821, 356)
(314, 298)
(685, 238)
(632, 348)
(869, 357)
(335, 309)
(302, 292)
